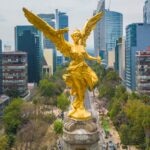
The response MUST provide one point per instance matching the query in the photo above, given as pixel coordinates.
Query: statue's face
(76, 36)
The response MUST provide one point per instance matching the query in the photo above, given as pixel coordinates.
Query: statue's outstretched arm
(56, 36)
(89, 57)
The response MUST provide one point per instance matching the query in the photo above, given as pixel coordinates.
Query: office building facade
(28, 39)
(143, 71)
(14, 73)
(137, 39)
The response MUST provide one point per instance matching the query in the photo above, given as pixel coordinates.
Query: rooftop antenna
(109, 4)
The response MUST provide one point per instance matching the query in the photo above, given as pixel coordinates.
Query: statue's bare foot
(71, 112)
(79, 114)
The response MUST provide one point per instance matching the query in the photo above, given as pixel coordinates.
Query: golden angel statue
(79, 75)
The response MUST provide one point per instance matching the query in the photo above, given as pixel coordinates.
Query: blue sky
(78, 10)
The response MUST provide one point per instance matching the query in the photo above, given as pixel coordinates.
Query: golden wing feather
(56, 36)
(89, 26)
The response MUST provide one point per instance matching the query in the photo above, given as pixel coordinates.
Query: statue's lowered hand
(99, 59)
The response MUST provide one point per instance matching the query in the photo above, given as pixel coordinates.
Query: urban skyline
(73, 9)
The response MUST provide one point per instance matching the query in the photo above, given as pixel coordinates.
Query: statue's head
(76, 36)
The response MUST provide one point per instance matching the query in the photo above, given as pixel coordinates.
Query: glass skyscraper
(28, 39)
(113, 28)
(49, 18)
(146, 12)
(61, 22)
(137, 39)
(99, 31)
(108, 30)
(0, 66)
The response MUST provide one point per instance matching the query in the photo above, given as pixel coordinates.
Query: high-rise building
(28, 39)
(108, 30)
(143, 71)
(0, 66)
(137, 39)
(120, 58)
(61, 22)
(14, 73)
(49, 18)
(99, 31)
(146, 12)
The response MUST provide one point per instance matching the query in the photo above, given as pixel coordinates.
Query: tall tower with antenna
(146, 12)
(107, 31)
(109, 4)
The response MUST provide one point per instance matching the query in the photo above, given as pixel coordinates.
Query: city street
(112, 142)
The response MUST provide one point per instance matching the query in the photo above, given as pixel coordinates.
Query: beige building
(111, 58)
(48, 62)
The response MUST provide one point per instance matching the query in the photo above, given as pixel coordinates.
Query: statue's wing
(56, 36)
(89, 26)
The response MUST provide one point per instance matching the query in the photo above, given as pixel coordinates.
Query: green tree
(138, 115)
(106, 90)
(48, 88)
(112, 76)
(3, 142)
(58, 126)
(124, 130)
(145, 98)
(115, 109)
(63, 102)
(12, 116)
